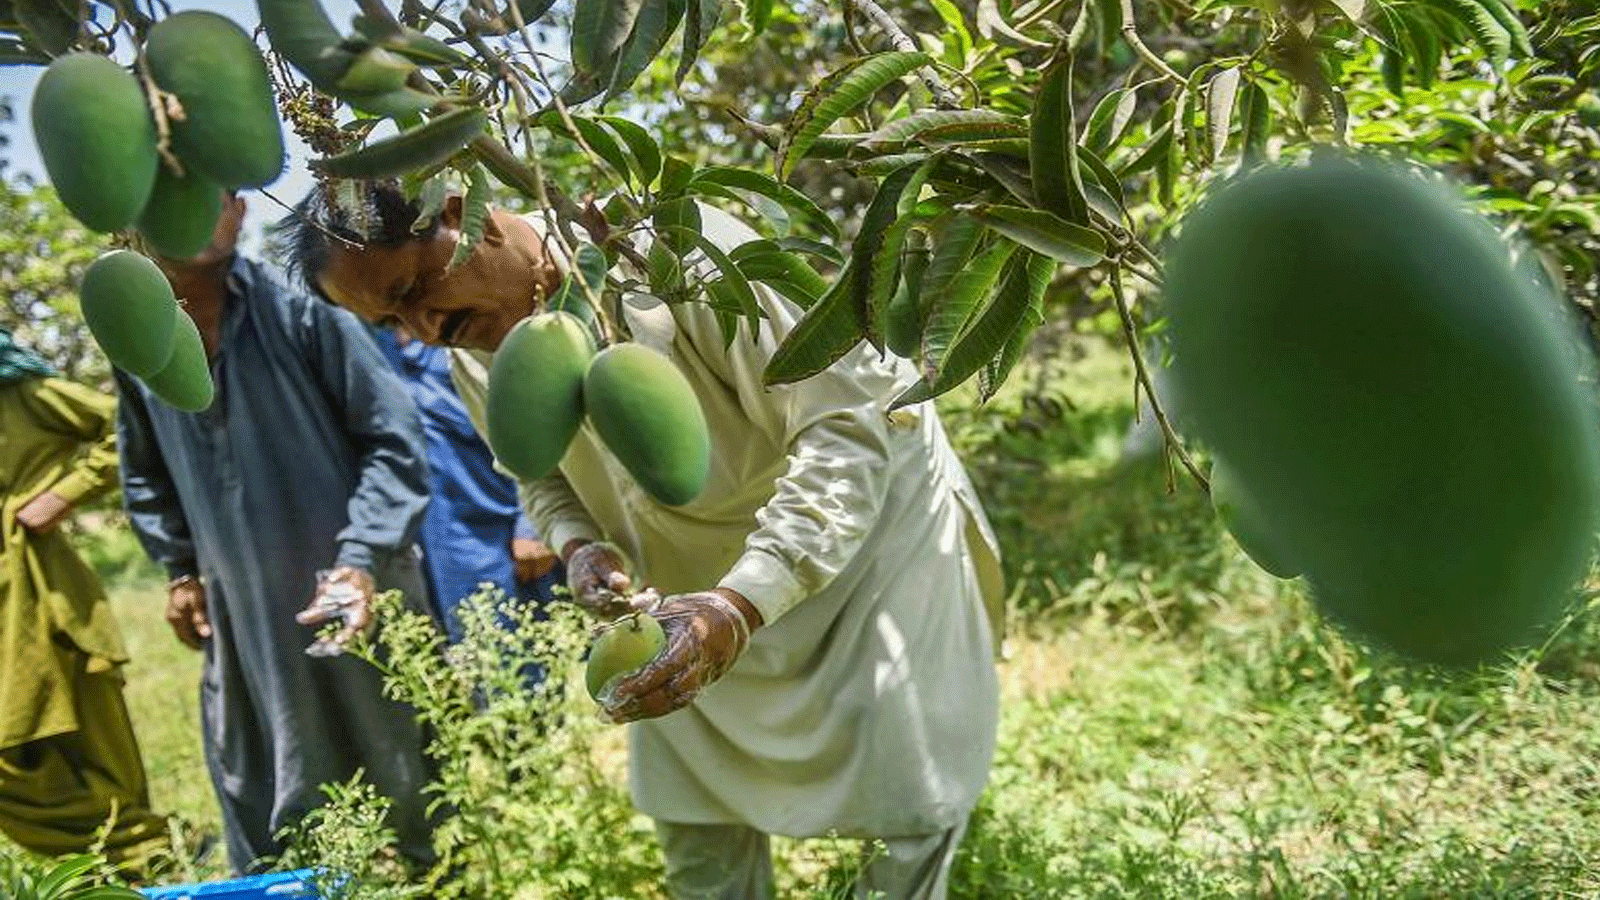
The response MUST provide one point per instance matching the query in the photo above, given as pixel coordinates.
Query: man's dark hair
(353, 213)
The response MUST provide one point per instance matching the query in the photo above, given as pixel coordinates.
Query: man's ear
(450, 217)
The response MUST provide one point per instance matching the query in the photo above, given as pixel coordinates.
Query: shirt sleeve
(89, 418)
(549, 503)
(392, 489)
(148, 492)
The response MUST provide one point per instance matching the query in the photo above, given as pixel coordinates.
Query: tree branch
(1130, 33)
(1131, 333)
(942, 94)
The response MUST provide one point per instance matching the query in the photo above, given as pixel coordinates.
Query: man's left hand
(44, 512)
(344, 593)
(705, 633)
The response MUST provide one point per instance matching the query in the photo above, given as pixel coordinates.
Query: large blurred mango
(96, 138)
(1404, 408)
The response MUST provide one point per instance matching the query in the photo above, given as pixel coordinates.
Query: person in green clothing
(70, 769)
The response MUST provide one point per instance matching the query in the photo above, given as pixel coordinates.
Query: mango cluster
(1401, 413)
(546, 379)
(98, 137)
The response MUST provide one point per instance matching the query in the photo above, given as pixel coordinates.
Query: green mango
(230, 131)
(622, 648)
(650, 419)
(1239, 515)
(182, 214)
(535, 402)
(185, 382)
(128, 305)
(1408, 411)
(96, 139)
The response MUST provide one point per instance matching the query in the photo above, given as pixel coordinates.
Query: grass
(1176, 723)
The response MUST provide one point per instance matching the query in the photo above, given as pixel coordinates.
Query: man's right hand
(598, 580)
(186, 611)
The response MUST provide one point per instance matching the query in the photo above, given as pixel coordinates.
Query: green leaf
(1057, 183)
(956, 25)
(1505, 12)
(474, 216)
(875, 252)
(49, 26)
(66, 873)
(1022, 288)
(1256, 112)
(736, 285)
(951, 308)
(826, 332)
(1044, 233)
(1423, 37)
(699, 21)
(1491, 36)
(758, 13)
(1154, 152)
(595, 137)
(765, 185)
(1220, 94)
(978, 124)
(1109, 118)
(655, 24)
(644, 152)
(839, 93)
(591, 265)
(957, 240)
(785, 272)
(1102, 188)
(416, 148)
(995, 373)
(991, 22)
(903, 333)
(600, 28)
(670, 216)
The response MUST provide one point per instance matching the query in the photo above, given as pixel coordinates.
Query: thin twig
(942, 94)
(1131, 333)
(164, 107)
(1130, 33)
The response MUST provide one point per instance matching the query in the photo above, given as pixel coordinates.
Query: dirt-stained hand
(599, 581)
(343, 593)
(705, 633)
(186, 611)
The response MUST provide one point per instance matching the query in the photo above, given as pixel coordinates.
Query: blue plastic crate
(276, 886)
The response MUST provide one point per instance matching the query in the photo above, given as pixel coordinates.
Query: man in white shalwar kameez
(832, 596)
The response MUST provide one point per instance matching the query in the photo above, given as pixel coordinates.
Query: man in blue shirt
(474, 530)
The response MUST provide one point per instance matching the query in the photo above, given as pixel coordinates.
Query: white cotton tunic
(867, 704)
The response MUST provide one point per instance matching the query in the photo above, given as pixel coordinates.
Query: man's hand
(531, 558)
(186, 611)
(705, 633)
(342, 593)
(599, 580)
(43, 512)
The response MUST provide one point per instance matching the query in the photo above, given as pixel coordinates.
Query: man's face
(474, 305)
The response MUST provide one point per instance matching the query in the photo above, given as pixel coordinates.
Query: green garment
(57, 794)
(55, 623)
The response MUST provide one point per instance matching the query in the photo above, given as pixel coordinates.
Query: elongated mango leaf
(670, 216)
(1423, 36)
(1042, 232)
(1057, 183)
(758, 13)
(737, 286)
(415, 148)
(657, 20)
(1505, 12)
(699, 20)
(994, 375)
(819, 249)
(1109, 119)
(1491, 36)
(474, 216)
(66, 873)
(903, 333)
(1220, 94)
(1101, 188)
(955, 242)
(1256, 111)
(784, 272)
(591, 265)
(643, 151)
(766, 186)
(595, 137)
(897, 135)
(840, 92)
(827, 331)
(1155, 151)
(1022, 287)
(875, 252)
(600, 28)
(951, 308)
